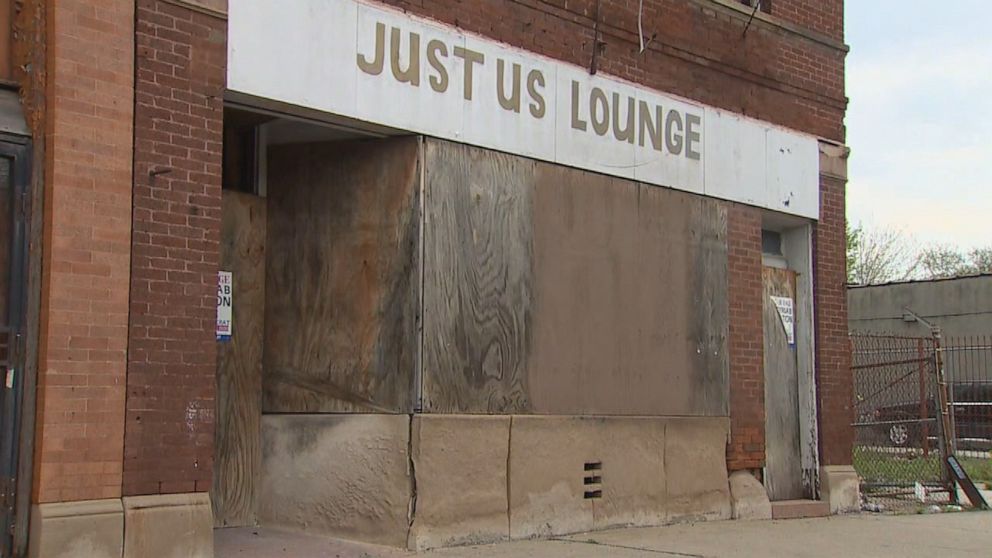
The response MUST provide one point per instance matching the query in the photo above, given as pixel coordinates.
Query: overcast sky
(919, 76)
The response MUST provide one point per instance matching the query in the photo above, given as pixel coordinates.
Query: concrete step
(798, 509)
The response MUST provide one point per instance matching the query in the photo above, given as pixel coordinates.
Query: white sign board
(225, 305)
(377, 65)
(786, 311)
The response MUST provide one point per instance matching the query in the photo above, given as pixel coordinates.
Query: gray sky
(919, 76)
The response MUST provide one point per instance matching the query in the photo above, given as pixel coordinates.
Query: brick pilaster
(181, 61)
(834, 382)
(747, 376)
(86, 250)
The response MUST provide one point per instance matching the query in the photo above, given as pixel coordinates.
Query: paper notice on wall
(786, 311)
(225, 304)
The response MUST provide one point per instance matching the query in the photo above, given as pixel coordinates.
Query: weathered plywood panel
(557, 291)
(783, 461)
(630, 313)
(237, 454)
(477, 279)
(342, 276)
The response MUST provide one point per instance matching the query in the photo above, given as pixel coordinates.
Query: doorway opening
(318, 249)
(14, 191)
(791, 458)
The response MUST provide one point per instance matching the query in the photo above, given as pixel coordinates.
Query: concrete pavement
(945, 535)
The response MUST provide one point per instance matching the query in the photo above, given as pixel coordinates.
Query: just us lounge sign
(372, 64)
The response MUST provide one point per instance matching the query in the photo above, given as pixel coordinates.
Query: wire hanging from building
(757, 6)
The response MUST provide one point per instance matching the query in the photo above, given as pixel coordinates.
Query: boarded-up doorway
(239, 363)
(783, 461)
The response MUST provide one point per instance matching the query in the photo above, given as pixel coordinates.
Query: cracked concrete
(946, 535)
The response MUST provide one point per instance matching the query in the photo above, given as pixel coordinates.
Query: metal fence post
(946, 437)
(924, 400)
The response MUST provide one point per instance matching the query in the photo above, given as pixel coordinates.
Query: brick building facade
(128, 104)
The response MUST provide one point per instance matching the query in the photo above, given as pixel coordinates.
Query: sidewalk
(945, 535)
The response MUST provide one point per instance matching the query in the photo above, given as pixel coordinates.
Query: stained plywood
(477, 275)
(237, 455)
(630, 313)
(342, 276)
(783, 462)
(552, 290)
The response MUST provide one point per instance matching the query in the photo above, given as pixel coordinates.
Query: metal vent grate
(6, 340)
(592, 479)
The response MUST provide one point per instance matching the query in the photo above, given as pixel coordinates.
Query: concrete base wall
(346, 476)
(92, 528)
(748, 497)
(840, 487)
(653, 471)
(444, 480)
(460, 468)
(168, 526)
(164, 526)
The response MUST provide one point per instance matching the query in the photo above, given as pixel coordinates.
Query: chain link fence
(898, 431)
(896, 450)
(968, 366)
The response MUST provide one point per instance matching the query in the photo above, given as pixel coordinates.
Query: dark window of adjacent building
(771, 243)
(766, 5)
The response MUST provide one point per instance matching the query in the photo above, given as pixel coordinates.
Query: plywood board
(630, 313)
(477, 275)
(557, 291)
(237, 455)
(783, 462)
(342, 276)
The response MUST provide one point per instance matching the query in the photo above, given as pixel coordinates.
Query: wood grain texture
(237, 447)
(477, 279)
(630, 313)
(557, 291)
(342, 276)
(783, 462)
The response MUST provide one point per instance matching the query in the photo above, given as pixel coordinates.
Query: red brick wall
(747, 377)
(181, 59)
(698, 51)
(86, 250)
(822, 16)
(833, 357)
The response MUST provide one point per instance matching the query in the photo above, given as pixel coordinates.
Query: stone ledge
(168, 526)
(748, 497)
(833, 160)
(92, 528)
(772, 21)
(799, 509)
(211, 9)
(841, 488)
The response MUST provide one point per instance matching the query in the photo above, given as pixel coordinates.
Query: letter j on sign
(225, 298)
